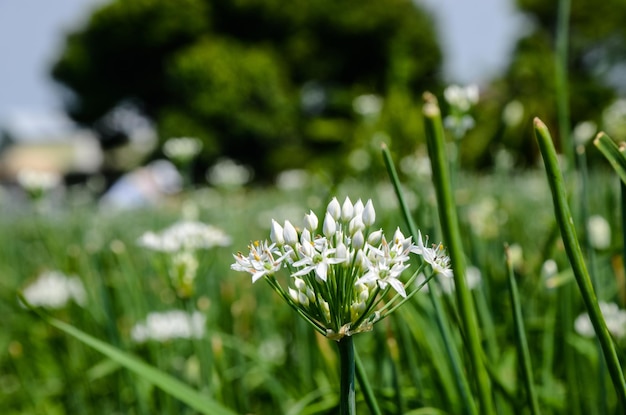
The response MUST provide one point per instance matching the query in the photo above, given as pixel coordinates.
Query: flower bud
(299, 284)
(358, 207)
(294, 295)
(369, 214)
(289, 233)
(310, 221)
(356, 224)
(334, 209)
(305, 236)
(330, 227)
(347, 210)
(374, 237)
(358, 240)
(341, 252)
(276, 233)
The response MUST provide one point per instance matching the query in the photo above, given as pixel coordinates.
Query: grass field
(249, 352)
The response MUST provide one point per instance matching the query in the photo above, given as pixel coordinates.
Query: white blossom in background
(614, 317)
(368, 106)
(473, 279)
(486, 218)
(614, 119)
(184, 235)
(583, 132)
(341, 268)
(168, 325)
(294, 179)
(182, 149)
(599, 232)
(38, 182)
(513, 113)
(227, 173)
(417, 165)
(53, 289)
(460, 101)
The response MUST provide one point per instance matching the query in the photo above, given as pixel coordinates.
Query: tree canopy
(267, 82)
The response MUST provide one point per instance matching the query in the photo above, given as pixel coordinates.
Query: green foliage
(267, 83)
(595, 69)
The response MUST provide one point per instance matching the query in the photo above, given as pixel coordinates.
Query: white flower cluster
(53, 289)
(185, 236)
(37, 182)
(460, 100)
(181, 241)
(339, 274)
(182, 149)
(615, 319)
(167, 325)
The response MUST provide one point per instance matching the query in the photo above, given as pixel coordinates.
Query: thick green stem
(347, 403)
(575, 255)
(452, 238)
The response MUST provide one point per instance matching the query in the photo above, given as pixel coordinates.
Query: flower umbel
(343, 274)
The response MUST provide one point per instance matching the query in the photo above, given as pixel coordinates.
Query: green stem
(469, 406)
(562, 99)
(347, 403)
(520, 336)
(452, 237)
(623, 211)
(368, 393)
(575, 255)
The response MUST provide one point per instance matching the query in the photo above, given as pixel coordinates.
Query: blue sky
(477, 37)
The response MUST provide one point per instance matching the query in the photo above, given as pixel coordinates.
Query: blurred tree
(596, 75)
(267, 82)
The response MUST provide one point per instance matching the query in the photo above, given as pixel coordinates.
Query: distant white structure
(50, 143)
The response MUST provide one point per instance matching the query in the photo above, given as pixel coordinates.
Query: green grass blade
(167, 383)
(452, 238)
(462, 383)
(575, 255)
(520, 337)
(614, 154)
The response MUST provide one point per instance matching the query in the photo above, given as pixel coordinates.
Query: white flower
(37, 182)
(460, 97)
(599, 232)
(317, 259)
(168, 325)
(263, 260)
(182, 149)
(226, 173)
(615, 321)
(435, 257)
(53, 289)
(185, 235)
(340, 278)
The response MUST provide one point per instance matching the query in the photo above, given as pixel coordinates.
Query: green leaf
(167, 383)
(614, 154)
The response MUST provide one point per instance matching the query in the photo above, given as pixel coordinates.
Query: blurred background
(92, 89)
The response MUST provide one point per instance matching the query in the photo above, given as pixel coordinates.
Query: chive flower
(344, 274)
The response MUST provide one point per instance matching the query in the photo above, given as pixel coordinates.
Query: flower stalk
(575, 255)
(452, 236)
(347, 403)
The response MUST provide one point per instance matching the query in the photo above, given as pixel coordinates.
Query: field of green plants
(94, 299)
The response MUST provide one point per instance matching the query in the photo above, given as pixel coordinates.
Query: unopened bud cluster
(340, 270)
